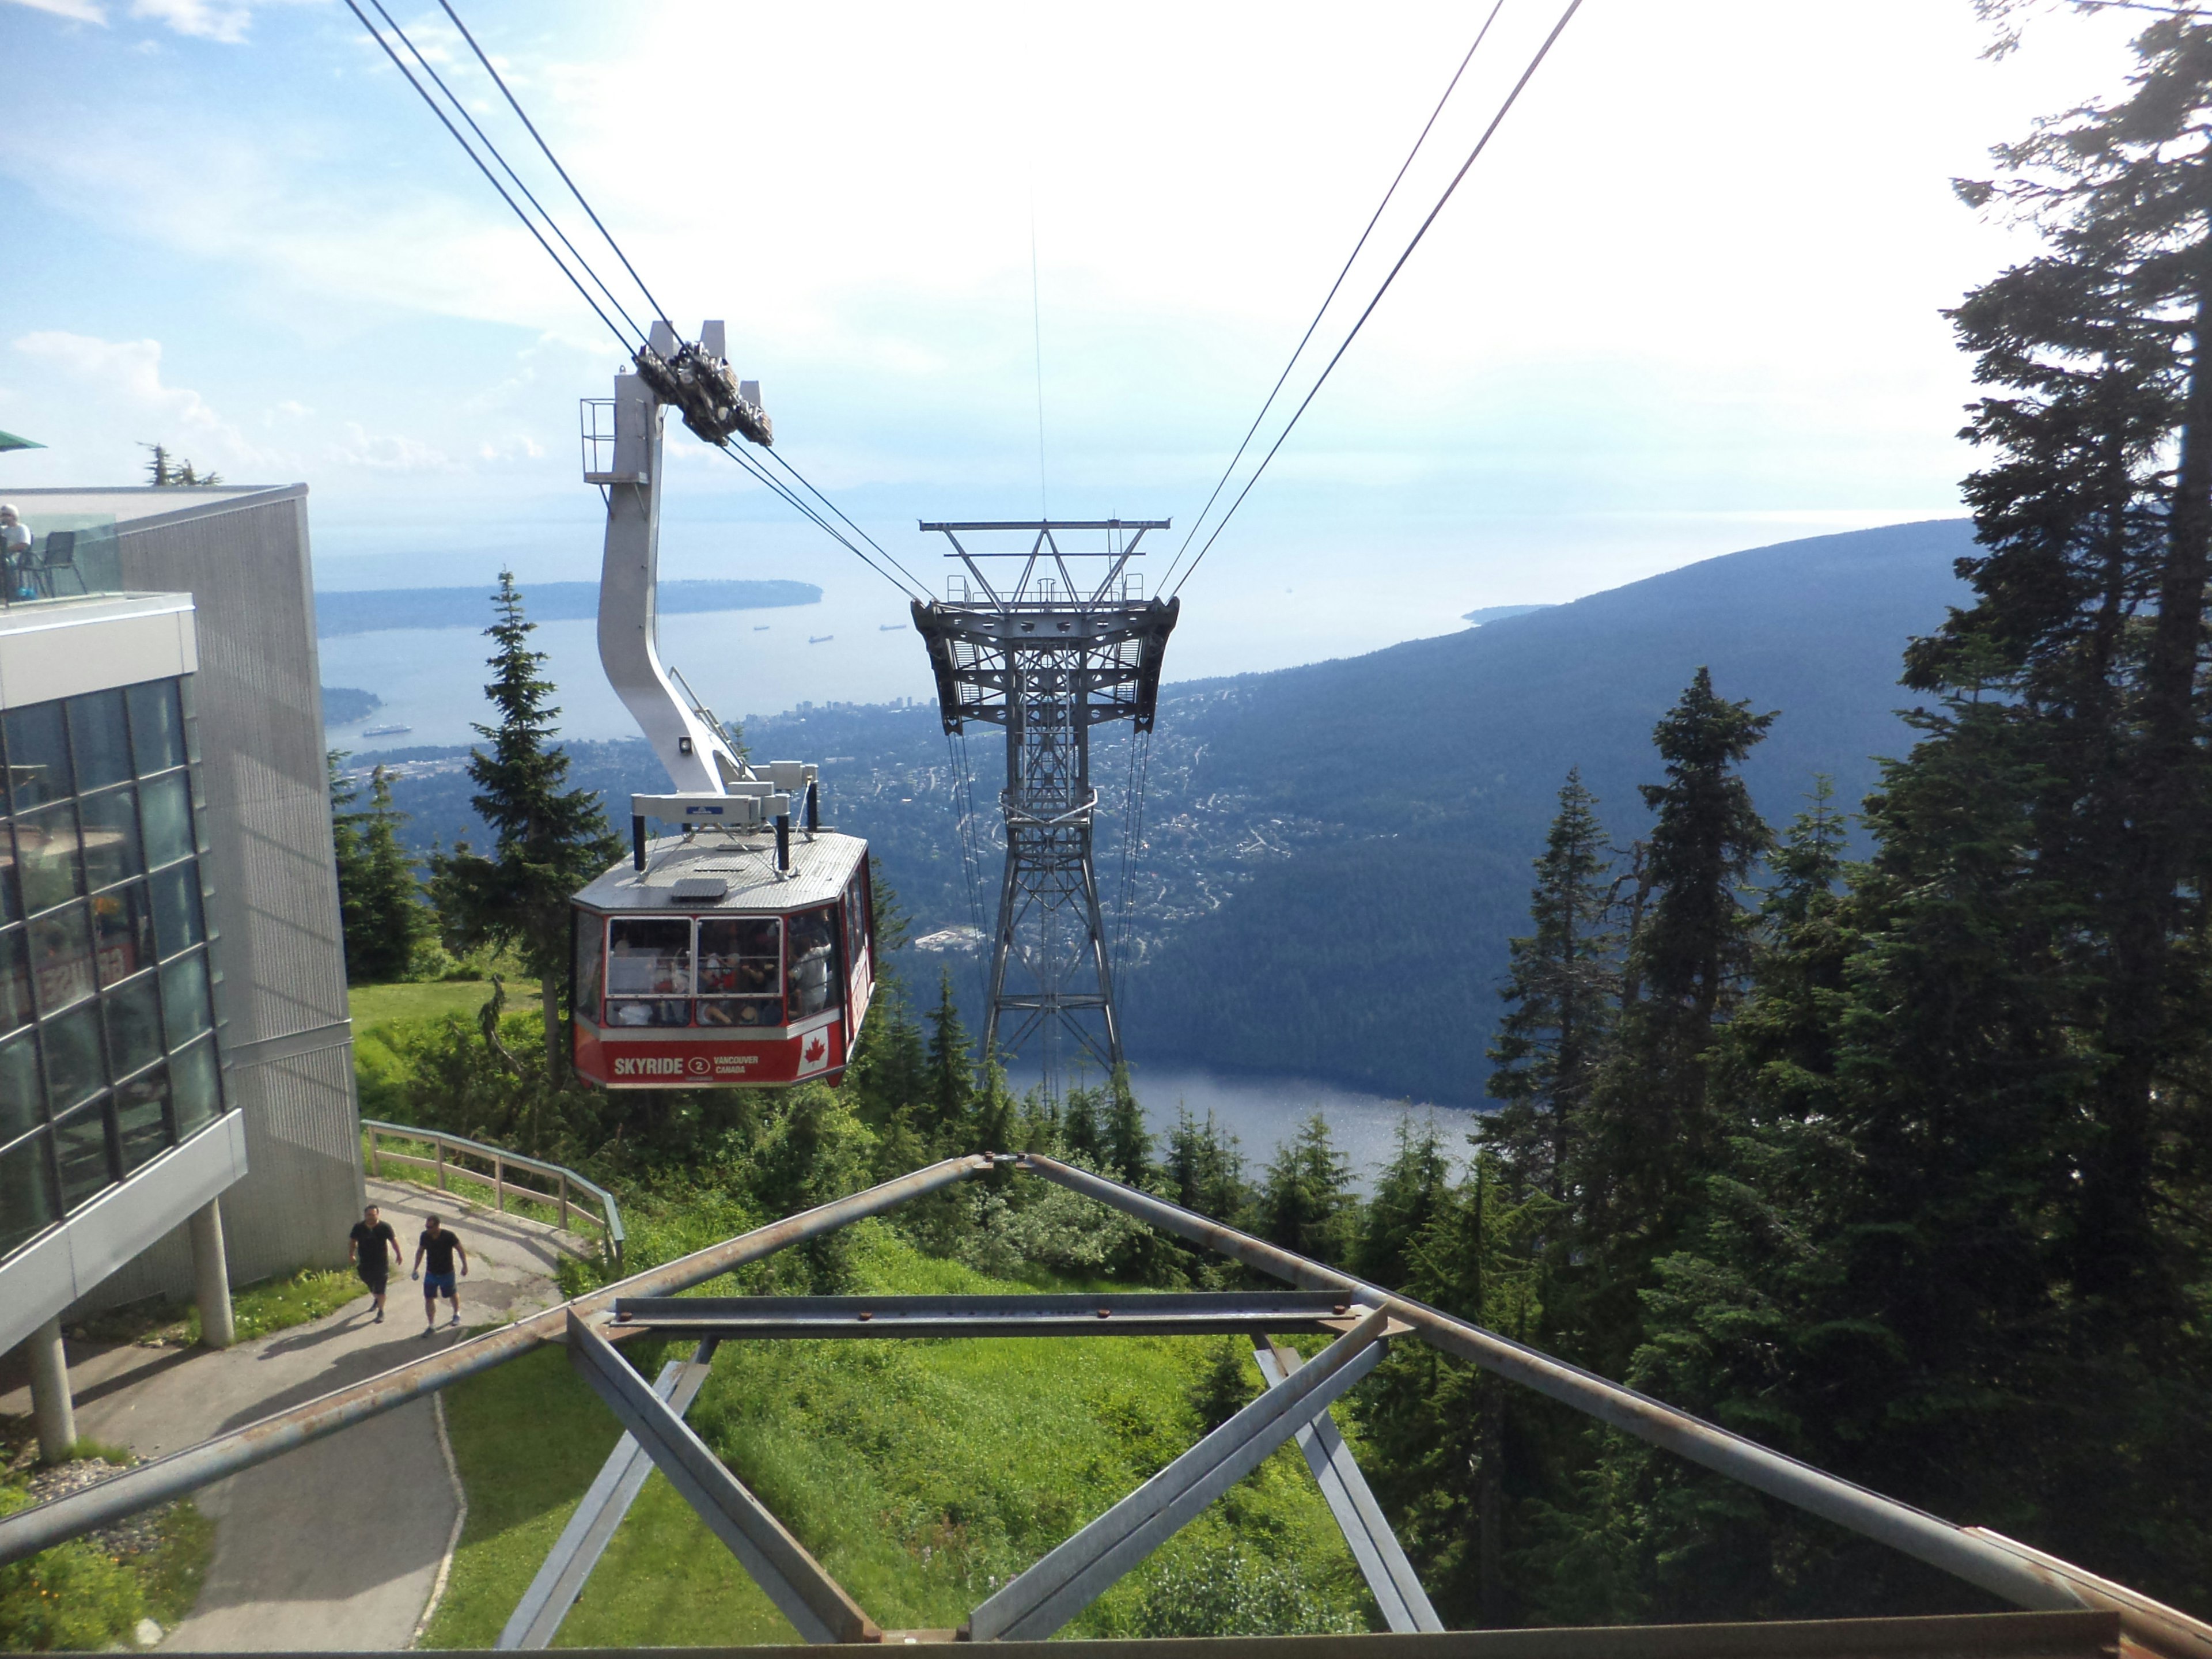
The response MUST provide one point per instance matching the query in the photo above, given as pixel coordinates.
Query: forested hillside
(1335, 855)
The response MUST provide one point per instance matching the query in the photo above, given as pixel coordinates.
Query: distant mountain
(371, 610)
(1490, 613)
(1415, 785)
(1335, 856)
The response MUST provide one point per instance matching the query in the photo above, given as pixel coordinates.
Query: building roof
(821, 866)
(139, 506)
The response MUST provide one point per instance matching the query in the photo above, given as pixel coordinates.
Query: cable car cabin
(709, 968)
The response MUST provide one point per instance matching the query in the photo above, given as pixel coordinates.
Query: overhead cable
(485, 139)
(423, 91)
(908, 586)
(905, 580)
(1482, 144)
(777, 457)
(1199, 522)
(514, 105)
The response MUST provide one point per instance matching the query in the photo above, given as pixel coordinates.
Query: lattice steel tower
(1048, 656)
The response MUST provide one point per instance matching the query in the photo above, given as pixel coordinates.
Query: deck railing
(566, 1192)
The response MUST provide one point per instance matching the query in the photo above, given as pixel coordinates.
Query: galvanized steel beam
(816, 1603)
(1076, 1573)
(28, 1531)
(1190, 1314)
(2021, 1576)
(537, 1618)
(1390, 1577)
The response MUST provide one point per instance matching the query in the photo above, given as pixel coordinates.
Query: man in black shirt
(365, 1246)
(441, 1246)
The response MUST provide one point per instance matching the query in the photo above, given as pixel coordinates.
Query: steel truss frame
(2080, 1615)
(1048, 655)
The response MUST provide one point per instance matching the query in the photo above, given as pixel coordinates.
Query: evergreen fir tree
(548, 840)
(1414, 1188)
(1561, 985)
(1128, 1141)
(1205, 1168)
(1079, 1131)
(950, 1092)
(1306, 1203)
(1652, 1127)
(379, 899)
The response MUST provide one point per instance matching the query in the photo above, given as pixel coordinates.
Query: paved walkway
(337, 1545)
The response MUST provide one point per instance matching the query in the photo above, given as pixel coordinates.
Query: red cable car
(733, 954)
(711, 967)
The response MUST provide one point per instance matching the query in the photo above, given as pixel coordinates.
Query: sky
(989, 260)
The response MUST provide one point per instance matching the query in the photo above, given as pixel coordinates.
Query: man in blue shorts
(439, 1246)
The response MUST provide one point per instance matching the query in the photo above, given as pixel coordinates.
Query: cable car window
(856, 915)
(590, 932)
(740, 962)
(813, 976)
(648, 971)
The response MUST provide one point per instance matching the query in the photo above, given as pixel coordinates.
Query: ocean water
(1264, 1112)
(741, 662)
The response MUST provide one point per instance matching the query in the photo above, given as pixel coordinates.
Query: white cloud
(389, 452)
(120, 381)
(78, 11)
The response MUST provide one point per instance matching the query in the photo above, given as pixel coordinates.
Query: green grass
(922, 1475)
(372, 1005)
(72, 1596)
(273, 1304)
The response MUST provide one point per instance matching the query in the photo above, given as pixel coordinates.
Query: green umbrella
(10, 441)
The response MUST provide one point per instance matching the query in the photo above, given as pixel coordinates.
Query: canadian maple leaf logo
(816, 1048)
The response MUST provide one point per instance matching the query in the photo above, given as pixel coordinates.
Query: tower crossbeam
(1048, 642)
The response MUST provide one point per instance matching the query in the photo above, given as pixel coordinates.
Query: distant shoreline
(379, 610)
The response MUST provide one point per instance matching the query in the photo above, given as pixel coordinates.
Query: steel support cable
(485, 139)
(1222, 482)
(830, 530)
(423, 92)
(547, 151)
(910, 584)
(1474, 155)
(916, 582)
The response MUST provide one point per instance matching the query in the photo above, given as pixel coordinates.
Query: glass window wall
(107, 1054)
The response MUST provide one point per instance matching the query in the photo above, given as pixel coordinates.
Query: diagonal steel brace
(560, 1581)
(1070, 1577)
(1389, 1575)
(814, 1602)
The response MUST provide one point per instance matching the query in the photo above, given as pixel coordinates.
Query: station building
(176, 1108)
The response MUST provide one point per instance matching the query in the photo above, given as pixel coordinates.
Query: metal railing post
(439, 1142)
(564, 1200)
(375, 1157)
(499, 1185)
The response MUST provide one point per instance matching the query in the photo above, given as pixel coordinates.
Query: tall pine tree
(1562, 984)
(548, 840)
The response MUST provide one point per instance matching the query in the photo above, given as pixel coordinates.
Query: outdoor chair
(56, 557)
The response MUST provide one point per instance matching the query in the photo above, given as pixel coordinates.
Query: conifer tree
(380, 899)
(1078, 1126)
(1652, 1127)
(1414, 1188)
(1306, 1203)
(1561, 985)
(548, 840)
(2095, 511)
(951, 1084)
(1205, 1168)
(1129, 1142)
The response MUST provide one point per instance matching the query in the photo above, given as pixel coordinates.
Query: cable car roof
(821, 867)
